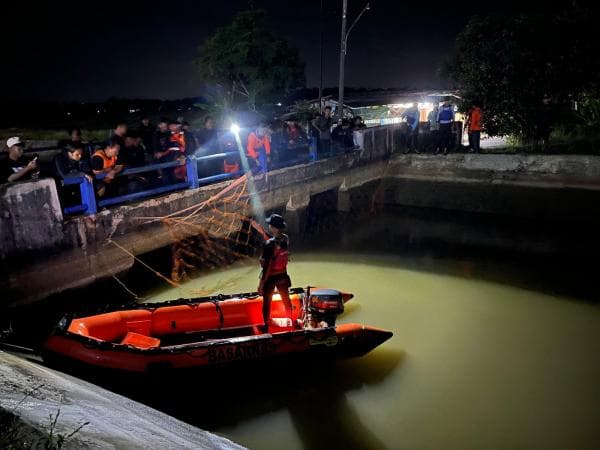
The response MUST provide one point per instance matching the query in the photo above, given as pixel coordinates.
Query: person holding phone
(17, 167)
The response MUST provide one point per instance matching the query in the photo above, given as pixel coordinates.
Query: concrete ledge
(34, 392)
(41, 254)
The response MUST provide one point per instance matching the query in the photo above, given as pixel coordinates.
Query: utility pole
(342, 60)
(321, 63)
(343, 48)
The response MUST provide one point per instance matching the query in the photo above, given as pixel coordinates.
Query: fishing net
(211, 234)
(215, 232)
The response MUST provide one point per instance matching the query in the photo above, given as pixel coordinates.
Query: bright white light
(279, 104)
(235, 128)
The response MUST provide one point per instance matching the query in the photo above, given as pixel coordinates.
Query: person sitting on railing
(104, 162)
(71, 163)
(259, 142)
(16, 167)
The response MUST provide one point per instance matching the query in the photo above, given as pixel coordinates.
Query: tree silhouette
(250, 64)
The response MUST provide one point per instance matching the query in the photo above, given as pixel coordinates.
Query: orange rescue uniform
(255, 143)
(475, 119)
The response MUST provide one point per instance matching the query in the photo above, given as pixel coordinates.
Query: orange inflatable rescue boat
(208, 331)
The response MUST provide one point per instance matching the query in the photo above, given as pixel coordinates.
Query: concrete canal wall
(36, 394)
(42, 252)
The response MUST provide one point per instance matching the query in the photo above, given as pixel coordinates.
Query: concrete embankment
(36, 394)
(43, 253)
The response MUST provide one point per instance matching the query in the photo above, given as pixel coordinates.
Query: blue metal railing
(89, 203)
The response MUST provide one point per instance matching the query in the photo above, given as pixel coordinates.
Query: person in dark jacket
(146, 132)
(445, 121)
(161, 139)
(412, 116)
(207, 140)
(132, 154)
(322, 124)
(342, 137)
(71, 163)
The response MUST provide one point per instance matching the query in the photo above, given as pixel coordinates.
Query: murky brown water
(473, 364)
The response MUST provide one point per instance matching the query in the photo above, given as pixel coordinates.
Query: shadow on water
(322, 415)
(312, 389)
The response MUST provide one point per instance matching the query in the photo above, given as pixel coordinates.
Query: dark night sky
(95, 50)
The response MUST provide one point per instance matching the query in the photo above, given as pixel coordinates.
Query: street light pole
(321, 63)
(343, 48)
(342, 60)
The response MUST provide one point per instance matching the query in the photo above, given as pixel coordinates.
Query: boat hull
(344, 340)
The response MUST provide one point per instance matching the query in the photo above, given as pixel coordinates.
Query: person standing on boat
(274, 261)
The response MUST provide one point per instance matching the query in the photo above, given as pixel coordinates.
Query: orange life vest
(279, 260)
(255, 143)
(107, 162)
(475, 119)
(178, 141)
(230, 168)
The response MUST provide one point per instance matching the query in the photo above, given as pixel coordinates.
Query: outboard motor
(324, 305)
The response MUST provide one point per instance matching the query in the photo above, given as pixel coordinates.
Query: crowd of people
(169, 141)
(442, 133)
(174, 141)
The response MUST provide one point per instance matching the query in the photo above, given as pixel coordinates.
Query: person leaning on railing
(259, 142)
(68, 164)
(104, 162)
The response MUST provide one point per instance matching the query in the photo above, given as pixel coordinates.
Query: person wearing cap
(16, 167)
(274, 274)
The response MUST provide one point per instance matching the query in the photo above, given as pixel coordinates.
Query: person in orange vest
(474, 126)
(274, 260)
(104, 161)
(228, 143)
(259, 141)
(172, 149)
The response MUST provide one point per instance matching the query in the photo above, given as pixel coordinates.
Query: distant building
(386, 107)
